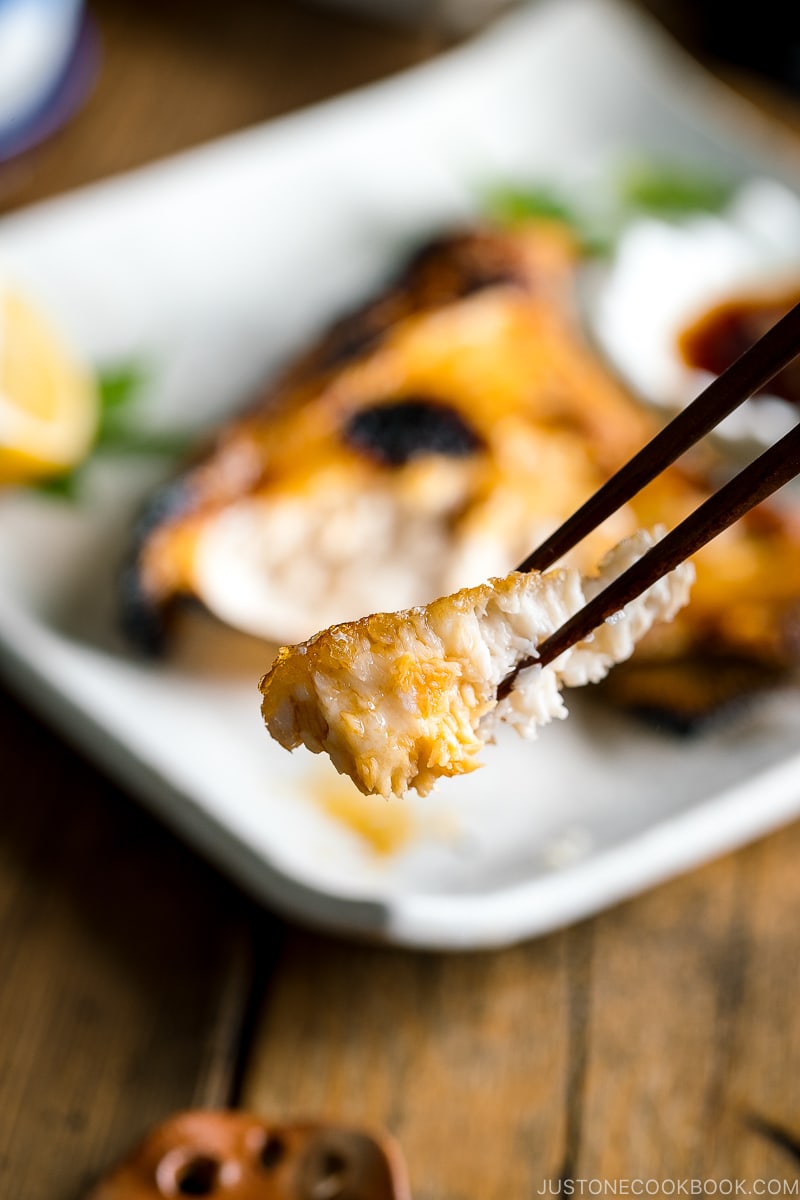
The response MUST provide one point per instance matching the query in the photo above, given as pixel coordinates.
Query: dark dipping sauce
(723, 333)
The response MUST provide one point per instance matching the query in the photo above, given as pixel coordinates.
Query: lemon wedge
(48, 399)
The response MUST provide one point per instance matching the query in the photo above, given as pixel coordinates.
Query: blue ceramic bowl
(46, 64)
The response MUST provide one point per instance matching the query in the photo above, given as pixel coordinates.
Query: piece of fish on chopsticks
(398, 700)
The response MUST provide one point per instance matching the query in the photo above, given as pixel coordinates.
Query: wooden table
(659, 1041)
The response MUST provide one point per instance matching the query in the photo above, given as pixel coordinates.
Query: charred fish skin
(155, 573)
(143, 622)
(395, 433)
(143, 615)
(445, 268)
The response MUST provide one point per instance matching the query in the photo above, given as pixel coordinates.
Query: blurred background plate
(211, 268)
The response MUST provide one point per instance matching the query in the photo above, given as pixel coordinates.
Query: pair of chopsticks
(770, 471)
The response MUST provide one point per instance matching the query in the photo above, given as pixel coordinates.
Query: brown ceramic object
(238, 1156)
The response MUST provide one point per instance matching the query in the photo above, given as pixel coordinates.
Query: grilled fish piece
(399, 700)
(427, 443)
(424, 445)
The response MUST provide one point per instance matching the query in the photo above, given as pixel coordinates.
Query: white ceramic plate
(214, 266)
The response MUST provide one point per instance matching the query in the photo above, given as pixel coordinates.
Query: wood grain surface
(125, 966)
(659, 1041)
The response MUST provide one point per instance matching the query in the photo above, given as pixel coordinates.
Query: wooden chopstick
(770, 471)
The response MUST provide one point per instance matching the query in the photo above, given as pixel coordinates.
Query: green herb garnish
(60, 487)
(510, 205)
(125, 439)
(513, 205)
(120, 385)
(667, 190)
(120, 431)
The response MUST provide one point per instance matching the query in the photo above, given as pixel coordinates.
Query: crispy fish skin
(399, 700)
